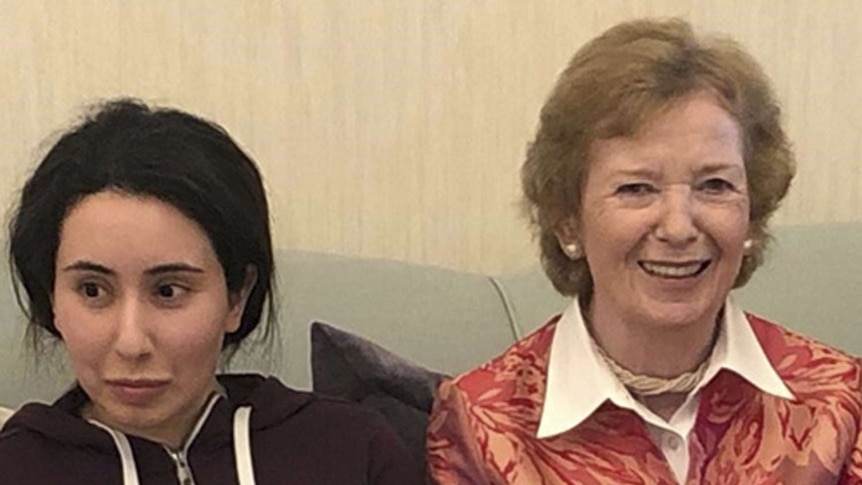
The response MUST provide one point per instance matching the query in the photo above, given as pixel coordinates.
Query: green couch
(450, 320)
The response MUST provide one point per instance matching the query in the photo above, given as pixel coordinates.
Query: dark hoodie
(291, 437)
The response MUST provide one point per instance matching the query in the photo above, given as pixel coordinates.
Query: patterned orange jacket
(483, 426)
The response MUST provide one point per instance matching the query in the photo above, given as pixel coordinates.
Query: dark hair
(613, 86)
(178, 158)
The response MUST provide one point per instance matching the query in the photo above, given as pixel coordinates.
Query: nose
(677, 221)
(133, 340)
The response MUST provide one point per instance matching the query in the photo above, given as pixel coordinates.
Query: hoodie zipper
(184, 475)
(180, 457)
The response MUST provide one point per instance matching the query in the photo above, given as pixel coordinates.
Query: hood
(253, 403)
(270, 400)
(60, 422)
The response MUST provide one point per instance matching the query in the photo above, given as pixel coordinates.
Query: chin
(132, 419)
(682, 314)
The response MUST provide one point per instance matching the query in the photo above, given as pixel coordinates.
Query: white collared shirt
(579, 381)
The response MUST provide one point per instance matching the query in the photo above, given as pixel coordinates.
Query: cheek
(730, 237)
(736, 225)
(200, 332)
(84, 335)
(620, 236)
(68, 318)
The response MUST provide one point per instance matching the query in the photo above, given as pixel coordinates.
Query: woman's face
(665, 216)
(141, 303)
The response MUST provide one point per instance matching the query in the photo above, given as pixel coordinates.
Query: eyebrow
(155, 270)
(89, 266)
(718, 167)
(706, 169)
(637, 172)
(173, 268)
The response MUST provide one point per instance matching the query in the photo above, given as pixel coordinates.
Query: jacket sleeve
(453, 455)
(852, 473)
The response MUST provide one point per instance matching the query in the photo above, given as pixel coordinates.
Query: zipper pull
(183, 473)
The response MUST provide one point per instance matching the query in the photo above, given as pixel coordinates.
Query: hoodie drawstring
(127, 458)
(242, 445)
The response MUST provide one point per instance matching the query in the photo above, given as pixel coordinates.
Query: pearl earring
(572, 251)
(747, 245)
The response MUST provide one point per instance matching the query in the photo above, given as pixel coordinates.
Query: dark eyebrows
(89, 266)
(173, 268)
(156, 270)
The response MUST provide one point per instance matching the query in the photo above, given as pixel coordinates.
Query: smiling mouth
(674, 270)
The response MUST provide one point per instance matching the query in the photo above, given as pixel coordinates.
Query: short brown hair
(613, 86)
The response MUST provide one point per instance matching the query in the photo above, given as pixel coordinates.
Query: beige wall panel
(395, 128)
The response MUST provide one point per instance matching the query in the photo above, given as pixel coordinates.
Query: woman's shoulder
(527, 358)
(780, 340)
(43, 444)
(355, 439)
(514, 380)
(806, 365)
(273, 403)
(58, 422)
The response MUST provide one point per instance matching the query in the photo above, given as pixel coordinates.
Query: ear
(567, 231)
(238, 299)
(567, 239)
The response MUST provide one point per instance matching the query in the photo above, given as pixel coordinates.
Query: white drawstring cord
(242, 445)
(127, 458)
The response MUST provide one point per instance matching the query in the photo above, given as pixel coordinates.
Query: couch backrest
(451, 321)
(811, 282)
(442, 319)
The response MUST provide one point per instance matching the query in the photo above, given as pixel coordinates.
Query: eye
(90, 290)
(170, 294)
(166, 291)
(93, 293)
(716, 186)
(636, 189)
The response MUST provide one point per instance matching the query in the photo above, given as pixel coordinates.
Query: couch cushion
(350, 367)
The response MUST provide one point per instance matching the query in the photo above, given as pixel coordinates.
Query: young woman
(142, 243)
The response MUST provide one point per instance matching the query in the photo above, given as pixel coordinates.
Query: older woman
(659, 159)
(141, 243)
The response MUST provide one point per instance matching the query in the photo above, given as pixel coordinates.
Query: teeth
(674, 271)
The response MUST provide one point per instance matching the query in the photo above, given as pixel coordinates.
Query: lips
(674, 270)
(136, 392)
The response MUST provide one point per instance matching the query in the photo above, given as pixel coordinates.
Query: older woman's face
(665, 216)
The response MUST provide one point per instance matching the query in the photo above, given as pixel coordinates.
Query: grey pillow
(350, 367)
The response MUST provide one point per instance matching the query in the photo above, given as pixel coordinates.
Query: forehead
(694, 131)
(115, 227)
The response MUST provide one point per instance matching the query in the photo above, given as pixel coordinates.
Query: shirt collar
(579, 381)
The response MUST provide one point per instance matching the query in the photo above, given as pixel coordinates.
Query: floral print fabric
(483, 426)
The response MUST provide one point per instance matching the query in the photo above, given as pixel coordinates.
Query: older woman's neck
(653, 348)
